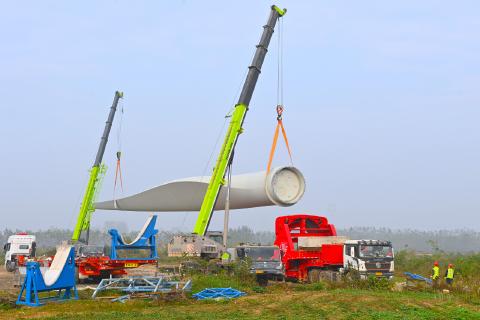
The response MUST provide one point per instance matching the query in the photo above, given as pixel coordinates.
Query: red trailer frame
(297, 262)
(103, 267)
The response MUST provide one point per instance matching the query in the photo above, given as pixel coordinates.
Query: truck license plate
(131, 265)
(258, 271)
(378, 273)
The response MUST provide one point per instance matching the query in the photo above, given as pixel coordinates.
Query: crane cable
(118, 170)
(280, 108)
(220, 134)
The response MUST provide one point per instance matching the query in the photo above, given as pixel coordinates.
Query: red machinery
(298, 236)
(94, 264)
(103, 267)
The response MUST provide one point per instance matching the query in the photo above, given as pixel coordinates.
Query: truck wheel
(262, 281)
(328, 275)
(10, 266)
(352, 275)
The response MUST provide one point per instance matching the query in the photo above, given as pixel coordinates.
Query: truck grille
(374, 266)
(266, 264)
(209, 249)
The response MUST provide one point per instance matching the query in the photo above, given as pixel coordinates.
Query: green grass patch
(281, 302)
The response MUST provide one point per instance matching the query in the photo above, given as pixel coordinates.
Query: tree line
(462, 241)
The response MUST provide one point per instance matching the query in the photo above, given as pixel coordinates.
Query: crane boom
(96, 174)
(235, 127)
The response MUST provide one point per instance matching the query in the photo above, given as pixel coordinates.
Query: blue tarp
(218, 293)
(414, 276)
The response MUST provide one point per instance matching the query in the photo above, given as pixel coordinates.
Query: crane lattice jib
(96, 176)
(235, 127)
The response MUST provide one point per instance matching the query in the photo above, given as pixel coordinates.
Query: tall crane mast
(235, 128)
(96, 175)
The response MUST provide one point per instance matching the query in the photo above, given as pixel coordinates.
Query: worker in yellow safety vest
(435, 274)
(449, 274)
(225, 257)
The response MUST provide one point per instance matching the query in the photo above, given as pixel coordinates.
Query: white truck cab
(18, 246)
(369, 258)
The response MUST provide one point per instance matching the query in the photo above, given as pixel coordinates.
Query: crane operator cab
(369, 258)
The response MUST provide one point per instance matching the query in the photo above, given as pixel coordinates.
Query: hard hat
(450, 265)
(435, 263)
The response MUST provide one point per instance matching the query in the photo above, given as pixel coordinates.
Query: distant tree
(121, 226)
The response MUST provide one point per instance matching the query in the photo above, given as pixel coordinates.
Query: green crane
(235, 128)
(96, 175)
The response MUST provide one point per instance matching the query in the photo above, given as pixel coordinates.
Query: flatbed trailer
(104, 267)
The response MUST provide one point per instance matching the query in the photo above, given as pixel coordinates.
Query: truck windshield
(376, 251)
(217, 238)
(263, 253)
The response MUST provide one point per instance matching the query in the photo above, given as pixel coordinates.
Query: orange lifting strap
(275, 138)
(118, 173)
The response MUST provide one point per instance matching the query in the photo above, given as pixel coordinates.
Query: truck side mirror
(352, 251)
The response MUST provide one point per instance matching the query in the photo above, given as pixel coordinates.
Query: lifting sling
(275, 138)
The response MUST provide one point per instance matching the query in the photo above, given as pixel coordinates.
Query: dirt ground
(145, 270)
(8, 280)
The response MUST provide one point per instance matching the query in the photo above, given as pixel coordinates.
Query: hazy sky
(382, 106)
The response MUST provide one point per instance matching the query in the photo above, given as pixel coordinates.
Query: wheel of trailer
(77, 277)
(262, 280)
(328, 275)
(313, 275)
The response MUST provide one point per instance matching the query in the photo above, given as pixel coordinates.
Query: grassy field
(339, 300)
(280, 302)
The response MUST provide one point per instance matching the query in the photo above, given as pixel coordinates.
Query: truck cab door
(8, 254)
(349, 259)
(33, 250)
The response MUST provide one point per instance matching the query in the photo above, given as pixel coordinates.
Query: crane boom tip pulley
(281, 12)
